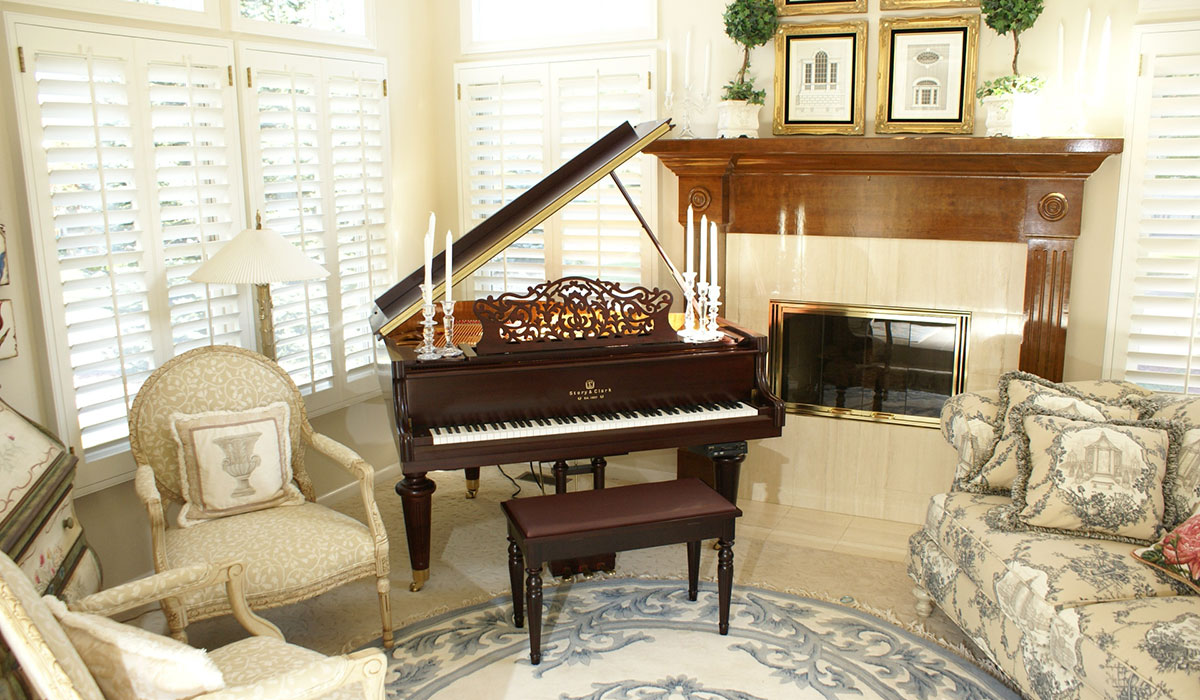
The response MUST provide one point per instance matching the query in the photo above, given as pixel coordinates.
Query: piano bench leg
(472, 478)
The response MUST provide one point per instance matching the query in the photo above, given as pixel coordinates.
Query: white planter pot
(736, 119)
(1019, 115)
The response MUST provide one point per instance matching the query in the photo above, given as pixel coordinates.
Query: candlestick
(689, 304)
(712, 330)
(449, 266)
(448, 347)
(712, 255)
(688, 234)
(687, 60)
(426, 351)
(703, 249)
(1083, 54)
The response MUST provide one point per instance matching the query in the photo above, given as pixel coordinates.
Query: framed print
(820, 78)
(926, 4)
(8, 332)
(927, 74)
(819, 7)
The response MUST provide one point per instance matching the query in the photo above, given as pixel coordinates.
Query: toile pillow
(129, 662)
(1183, 490)
(1177, 554)
(1093, 479)
(234, 462)
(1019, 390)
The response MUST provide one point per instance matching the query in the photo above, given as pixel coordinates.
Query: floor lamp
(259, 256)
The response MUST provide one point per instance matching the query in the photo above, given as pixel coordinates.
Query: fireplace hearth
(891, 364)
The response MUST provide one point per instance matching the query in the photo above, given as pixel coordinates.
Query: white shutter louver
(113, 127)
(1160, 294)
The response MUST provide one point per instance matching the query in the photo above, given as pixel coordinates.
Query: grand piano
(557, 401)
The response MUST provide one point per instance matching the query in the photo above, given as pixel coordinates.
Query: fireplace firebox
(879, 363)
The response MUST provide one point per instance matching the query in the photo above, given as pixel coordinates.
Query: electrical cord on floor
(514, 481)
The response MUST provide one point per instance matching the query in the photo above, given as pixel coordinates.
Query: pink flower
(1182, 546)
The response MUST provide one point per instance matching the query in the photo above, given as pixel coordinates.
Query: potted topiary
(1012, 101)
(750, 23)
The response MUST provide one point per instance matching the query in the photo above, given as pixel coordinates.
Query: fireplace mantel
(926, 187)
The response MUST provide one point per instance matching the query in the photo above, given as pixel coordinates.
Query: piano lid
(498, 231)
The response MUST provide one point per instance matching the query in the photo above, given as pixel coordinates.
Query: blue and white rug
(634, 639)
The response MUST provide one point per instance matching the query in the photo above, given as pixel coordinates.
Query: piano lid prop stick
(449, 265)
(649, 232)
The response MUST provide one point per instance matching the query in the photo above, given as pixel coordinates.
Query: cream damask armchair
(77, 655)
(291, 552)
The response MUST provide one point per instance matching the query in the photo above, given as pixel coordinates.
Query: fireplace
(880, 363)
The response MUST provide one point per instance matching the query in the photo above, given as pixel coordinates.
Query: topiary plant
(1012, 17)
(750, 23)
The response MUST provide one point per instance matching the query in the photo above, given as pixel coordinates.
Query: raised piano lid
(498, 231)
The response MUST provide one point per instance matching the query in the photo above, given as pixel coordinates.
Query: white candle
(703, 248)
(670, 63)
(688, 237)
(1080, 80)
(428, 293)
(1059, 73)
(1102, 71)
(449, 265)
(707, 66)
(712, 253)
(687, 60)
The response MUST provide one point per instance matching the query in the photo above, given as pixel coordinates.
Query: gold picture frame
(786, 8)
(927, 4)
(820, 78)
(932, 89)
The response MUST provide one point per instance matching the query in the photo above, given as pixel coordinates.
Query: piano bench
(584, 523)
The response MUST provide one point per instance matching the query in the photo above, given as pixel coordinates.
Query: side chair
(291, 552)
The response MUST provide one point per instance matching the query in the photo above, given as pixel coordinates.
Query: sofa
(1065, 614)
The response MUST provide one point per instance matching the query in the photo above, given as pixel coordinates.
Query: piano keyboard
(538, 427)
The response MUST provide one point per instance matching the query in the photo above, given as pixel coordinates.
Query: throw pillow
(1092, 479)
(1183, 491)
(1177, 554)
(1019, 390)
(234, 462)
(129, 662)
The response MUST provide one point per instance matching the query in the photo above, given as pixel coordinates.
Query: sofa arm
(969, 424)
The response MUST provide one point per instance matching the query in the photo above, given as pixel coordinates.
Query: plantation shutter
(317, 134)
(600, 236)
(1157, 316)
(132, 172)
(517, 123)
(502, 129)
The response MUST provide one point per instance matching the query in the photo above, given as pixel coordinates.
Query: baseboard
(381, 475)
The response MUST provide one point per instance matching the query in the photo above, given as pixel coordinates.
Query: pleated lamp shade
(258, 256)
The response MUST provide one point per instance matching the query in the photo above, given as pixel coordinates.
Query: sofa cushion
(1147, 648)
(1036, 572)
(1021, 389)
(1101, 480)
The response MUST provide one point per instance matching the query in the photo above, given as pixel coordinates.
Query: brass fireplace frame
(780, 308)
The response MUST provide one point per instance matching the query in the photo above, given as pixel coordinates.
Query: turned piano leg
(416, 499)
(472, 476)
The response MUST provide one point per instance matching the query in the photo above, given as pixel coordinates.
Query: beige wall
(420, 39)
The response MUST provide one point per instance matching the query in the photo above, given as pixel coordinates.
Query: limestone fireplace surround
(986, 225)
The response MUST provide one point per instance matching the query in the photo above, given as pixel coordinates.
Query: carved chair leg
(176, 618)
(924, 602)
(385, 611)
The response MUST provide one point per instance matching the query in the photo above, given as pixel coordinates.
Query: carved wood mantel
(931, 187)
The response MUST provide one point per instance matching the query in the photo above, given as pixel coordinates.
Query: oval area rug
(626, 639)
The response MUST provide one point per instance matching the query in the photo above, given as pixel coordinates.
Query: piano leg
(727, 458)
(416, 499)
(472, 477)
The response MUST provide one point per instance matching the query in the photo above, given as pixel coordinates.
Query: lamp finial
(257, 219)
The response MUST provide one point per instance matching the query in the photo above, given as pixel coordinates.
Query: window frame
(366, 40)
(646, 30)
(209, 17)
(1125, 239)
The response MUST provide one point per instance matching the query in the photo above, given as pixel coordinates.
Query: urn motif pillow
(1177, 554)
(1020, 390)
(1092, 479)
(234, 462)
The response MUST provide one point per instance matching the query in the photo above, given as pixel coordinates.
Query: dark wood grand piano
(562, 402)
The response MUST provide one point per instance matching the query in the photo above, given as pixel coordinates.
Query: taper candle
(689, 233)
(449, 265)
(703, 247)
(687, 60)
(670, 64)
(429, 260)
(707, 67)
(1080, 79)
(712, 252)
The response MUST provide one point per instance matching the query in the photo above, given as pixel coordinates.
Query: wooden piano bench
(584, 523)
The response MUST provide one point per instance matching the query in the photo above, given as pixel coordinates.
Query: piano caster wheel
(472, 487)
(419, 579)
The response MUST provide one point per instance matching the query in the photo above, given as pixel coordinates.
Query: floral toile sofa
(1065, 615)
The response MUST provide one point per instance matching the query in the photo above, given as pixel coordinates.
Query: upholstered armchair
(185, 420)
(77, 655)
